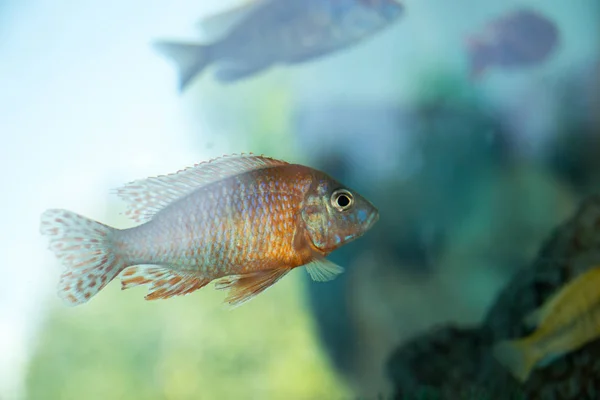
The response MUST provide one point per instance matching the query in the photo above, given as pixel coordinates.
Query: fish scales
(241, 224)
(246, 219)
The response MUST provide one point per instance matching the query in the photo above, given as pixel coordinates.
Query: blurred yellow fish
(566, 322)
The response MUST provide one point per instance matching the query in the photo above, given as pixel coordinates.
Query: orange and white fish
(246, 219)
(566, 322)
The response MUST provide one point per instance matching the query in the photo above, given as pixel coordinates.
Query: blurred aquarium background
(470, 176)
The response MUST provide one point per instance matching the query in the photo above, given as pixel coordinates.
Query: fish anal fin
(146, 197)
(246, 286)
(323, 270)
(164, 283)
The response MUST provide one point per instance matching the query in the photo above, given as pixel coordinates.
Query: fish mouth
(373, 218)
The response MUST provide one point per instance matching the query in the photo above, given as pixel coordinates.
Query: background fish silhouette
(269, 32)
(519, 39)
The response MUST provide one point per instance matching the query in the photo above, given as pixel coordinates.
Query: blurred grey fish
(268, 32)
(519, 39)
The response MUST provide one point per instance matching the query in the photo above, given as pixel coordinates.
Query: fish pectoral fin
(323, 270)
(245, 286)
(146, 197)
(164, 283)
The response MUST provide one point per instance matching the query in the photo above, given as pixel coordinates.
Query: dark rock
(453, 361)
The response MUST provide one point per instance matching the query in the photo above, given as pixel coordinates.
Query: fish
(260, 34)
(566, 322)
(243, 221)
(518, 39)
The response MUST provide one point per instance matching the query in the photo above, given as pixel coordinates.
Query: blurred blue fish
(519, 39)
(263, 33)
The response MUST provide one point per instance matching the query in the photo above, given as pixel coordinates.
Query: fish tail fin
(518, 356)
(477, 64)
(86, 249)
(190, 59)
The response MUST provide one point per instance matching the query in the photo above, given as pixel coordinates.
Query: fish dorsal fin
(323, 270)
(146, 197)
(244, 287)
(218, 25)
(164, 283)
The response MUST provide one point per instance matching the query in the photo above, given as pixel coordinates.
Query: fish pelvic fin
(323, 270)
(244, 287)
(146, 197)
(518, 356)
(533, 319)
(86, 249)
(189, 58)
(230, 74)
(164, 283)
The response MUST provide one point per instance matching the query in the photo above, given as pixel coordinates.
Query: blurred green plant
(120, 346)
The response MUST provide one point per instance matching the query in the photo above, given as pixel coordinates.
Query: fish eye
(342, 200)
